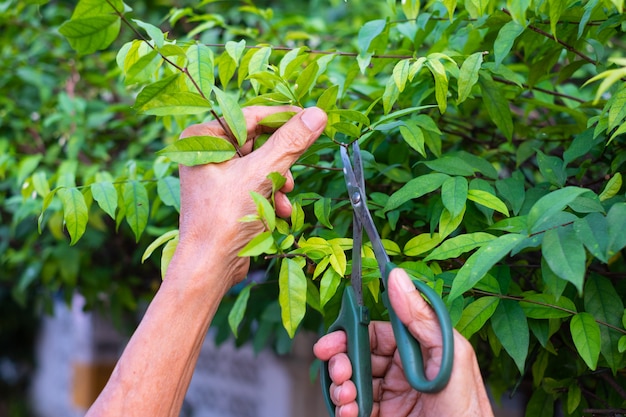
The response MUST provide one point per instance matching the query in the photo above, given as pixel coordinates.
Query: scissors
(354, 316)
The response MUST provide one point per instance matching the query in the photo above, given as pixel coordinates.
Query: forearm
(153, 374)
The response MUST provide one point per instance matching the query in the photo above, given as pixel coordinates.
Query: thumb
(412, 309)
(286, 145)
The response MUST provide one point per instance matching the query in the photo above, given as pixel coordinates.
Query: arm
(153, 374)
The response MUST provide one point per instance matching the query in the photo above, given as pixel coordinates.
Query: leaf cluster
(493, 137)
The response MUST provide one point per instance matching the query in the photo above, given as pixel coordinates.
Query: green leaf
(476, 8)
(200, 69)
(260, 244)
(617, 109)
(505, 40)
(321, 209)
(488, 200)
(547, 306)
(497, 106)
(612, 187)
(328, 285)
(512, 190)
(441, 82)
(448, 224)
(235, 49)
(137, 206)
(454, 194)
(557, 7)
(198, 150)
(175, 104)
(621, 345)
(40, 183)
(167, 254)
(541, 404)
(168, 189)
(154, 33)
(401, 73)
(297, 217)
(306, 80)
(511, 327)
(552, 168)
(290, 62)
(554, 284)
(413, 136)
(276, 120)
(237, 312)
(94, 25)
(450, 6)
(605, 305)
(292, 295)
(421, 244)
(564, 252)
(454, 247)
(518, 9)
(75, 212)
(586, 335)
(415, 188)
(259, 63)
(143, 69)
(411, 8)
(593, 231)
(328, 99)
(165, 86)
(574, 395)
(106, 196)
(551, 204)
(468, 75)
(617, 229)
(481, 262)
(265, 210)
(233, 115)
(164, 238)
(452, 165)
(338, 259)
(368, 32)
(476, 314)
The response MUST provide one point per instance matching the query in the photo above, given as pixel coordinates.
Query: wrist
(203, 266)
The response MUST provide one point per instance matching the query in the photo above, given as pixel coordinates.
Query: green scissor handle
(409, 347)
(354, 320)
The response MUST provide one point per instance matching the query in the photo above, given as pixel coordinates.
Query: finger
(348, 410)
(289, 183)
(282, 205)
(253, 115)
(330, 344)
(342, 394)
(281, 202)
(412, 309)
(290, 141)
(340, 368)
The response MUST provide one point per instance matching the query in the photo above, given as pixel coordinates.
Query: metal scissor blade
(355, 182)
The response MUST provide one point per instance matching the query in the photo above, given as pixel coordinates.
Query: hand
(464, 395)
(215, 196)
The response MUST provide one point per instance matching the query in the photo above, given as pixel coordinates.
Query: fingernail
(314, 118)
(337, 393)
(403, 281)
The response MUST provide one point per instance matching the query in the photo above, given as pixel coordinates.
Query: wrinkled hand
(393, 396)
(215, 196)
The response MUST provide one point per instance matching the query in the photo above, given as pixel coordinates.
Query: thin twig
(560, 42)
(184, 71)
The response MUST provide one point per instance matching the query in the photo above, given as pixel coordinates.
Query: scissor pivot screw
(356, 197)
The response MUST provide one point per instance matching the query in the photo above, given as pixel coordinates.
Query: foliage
(493, 137)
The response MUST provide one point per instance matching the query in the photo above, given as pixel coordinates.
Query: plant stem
(182, 70)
